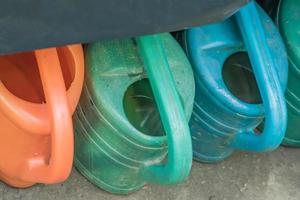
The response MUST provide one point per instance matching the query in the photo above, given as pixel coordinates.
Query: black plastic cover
(32, 24)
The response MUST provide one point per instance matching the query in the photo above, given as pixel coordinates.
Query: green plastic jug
(123, 139)
(288, 19)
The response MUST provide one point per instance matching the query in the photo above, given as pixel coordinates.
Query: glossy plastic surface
(289, 25)
(221, 122)
(38, 93)
(120, 156)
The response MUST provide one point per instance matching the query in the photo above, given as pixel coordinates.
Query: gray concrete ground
(244, 176)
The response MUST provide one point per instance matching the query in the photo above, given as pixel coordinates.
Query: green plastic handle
(179, 162)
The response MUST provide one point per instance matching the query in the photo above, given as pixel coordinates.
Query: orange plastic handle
(33, 117)
(54, 117)
(74, 90)
(60, 117)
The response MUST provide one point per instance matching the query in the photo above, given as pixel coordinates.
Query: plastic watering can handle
(179, 160)
(53, 117)
(60, 163)
(268, 84)
(74, 91)
(33, 117)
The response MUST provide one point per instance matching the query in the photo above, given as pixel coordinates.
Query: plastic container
(229, 105)
(123, 129)
(289, 25)
(38, 93)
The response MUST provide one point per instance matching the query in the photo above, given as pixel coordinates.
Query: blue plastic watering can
(245, 47)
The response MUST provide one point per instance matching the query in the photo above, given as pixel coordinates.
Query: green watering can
(123, 140)
(288, 19)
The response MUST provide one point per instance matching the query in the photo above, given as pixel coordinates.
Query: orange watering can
(39, 91)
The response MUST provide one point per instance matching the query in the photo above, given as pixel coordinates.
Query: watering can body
(224, 120)
(38, 93)
(289, 26)
(120, 142)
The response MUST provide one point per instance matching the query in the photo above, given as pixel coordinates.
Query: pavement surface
(244, 176)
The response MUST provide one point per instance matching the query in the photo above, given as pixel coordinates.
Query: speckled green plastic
(288, 19)
(119, 156)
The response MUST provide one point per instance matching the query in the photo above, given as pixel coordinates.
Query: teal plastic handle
(179, 162)
(268, 84)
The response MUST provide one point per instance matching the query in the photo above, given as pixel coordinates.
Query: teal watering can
(123, 139)
(288, 19)
(227, 58)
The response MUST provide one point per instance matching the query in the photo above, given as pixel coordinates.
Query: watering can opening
(20, 74)
(239, 78)
(141, 109)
